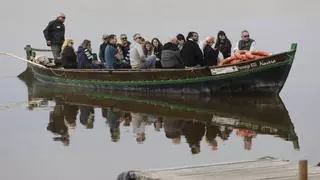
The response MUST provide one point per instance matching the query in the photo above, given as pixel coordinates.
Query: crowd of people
(178, 52)
(64, 117)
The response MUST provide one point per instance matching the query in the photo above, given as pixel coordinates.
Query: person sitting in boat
(148, 49)
(68, 56)
(223, 44)
(246, 43)
(85, 58)
(181, 40)
(210, 54)
(103, 46)
(138, 59)
(54, 35)
(111, 52)
(170, 55)
(157, 48)
(191, 53)
(125, 48)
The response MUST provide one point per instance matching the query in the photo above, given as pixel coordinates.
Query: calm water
(48, 133)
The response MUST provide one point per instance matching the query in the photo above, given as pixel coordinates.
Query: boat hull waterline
(267, 75)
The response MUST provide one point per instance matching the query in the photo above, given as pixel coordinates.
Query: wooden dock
(261, 169)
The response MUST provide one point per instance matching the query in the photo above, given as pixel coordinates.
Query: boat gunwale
(106, 71)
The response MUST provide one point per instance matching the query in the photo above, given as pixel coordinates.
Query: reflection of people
(87, 116)
(57, 125)
(70, 115)
(157, 123)
(139, 122)
(247, 137)
(127, 119)
(194, 131)
(173, 129)
(113, 120)
(225, 132)
(212, 132)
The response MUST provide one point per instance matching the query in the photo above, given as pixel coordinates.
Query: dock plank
(261, 169)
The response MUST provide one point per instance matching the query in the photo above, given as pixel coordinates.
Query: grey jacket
(170, 56)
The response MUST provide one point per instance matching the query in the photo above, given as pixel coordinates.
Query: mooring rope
(56, 74)
(22, 59)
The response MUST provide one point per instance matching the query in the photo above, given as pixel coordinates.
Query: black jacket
(69, 58)
(101, 51)
(224, 47)
(210, 56)
(191, 54)
(54, 32)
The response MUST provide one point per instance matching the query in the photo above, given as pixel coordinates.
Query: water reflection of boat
(191, 116)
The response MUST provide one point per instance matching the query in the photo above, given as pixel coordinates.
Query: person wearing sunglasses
(125, 43)
(246, 43)
(138, 59)
(54, 35)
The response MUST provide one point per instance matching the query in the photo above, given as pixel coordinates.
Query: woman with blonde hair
(68, 56)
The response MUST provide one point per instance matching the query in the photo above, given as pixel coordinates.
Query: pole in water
(303, 170)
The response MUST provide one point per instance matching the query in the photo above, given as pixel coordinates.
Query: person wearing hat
(54, 35)
(138, 60)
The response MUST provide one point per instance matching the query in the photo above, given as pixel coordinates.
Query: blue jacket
(110, 56)
(84, 58)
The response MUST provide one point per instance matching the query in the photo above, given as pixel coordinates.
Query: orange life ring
(235, 61)
(243, 57)
(249, 55)
(258, 57)
(260, 53)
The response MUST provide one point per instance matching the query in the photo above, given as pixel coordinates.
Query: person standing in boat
(138, 59)
(68, 56)
(223, 44)
(103, 46)
(191, 52)
(170, 56)
(210, 54)
(246, 43)
(111, 52)
(54, 34)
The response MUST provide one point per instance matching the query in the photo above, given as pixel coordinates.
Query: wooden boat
(263, 115)
(267, 75)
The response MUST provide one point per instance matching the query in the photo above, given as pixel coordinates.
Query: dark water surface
(50, 133)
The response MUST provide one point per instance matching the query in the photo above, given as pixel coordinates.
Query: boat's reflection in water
(192, 118)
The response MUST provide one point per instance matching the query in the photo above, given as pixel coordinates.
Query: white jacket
(137, 55)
